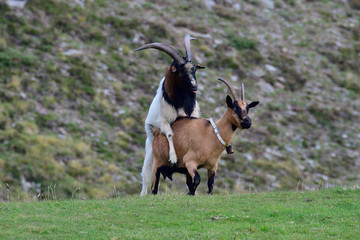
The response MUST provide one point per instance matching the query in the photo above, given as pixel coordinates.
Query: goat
(199, 142)
(175, 96)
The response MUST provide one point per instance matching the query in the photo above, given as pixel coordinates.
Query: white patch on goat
(168, 112)
(193, 81)
(196, 111)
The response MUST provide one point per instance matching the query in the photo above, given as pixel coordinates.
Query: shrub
(10, 58)
(241, 43)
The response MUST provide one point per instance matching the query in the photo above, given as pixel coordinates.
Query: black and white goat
(176, 96)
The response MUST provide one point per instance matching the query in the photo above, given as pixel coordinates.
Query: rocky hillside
(74, 95)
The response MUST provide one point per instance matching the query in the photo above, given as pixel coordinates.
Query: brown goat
(197, 144)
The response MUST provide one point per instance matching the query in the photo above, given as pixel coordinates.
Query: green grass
(10, 58)
(325, 214)
(241, 43)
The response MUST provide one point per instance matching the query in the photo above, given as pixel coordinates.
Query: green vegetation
(332, 213)
(10, 58)
(74, 95)
(241, 43)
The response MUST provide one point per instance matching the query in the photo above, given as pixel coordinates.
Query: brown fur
(195, 143)
(171, 80)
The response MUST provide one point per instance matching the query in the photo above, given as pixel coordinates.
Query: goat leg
(211, 177)
(189, 182)
(165, 128)
(156, 180)
(194, 183)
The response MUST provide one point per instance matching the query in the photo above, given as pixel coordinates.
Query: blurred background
(74, 96)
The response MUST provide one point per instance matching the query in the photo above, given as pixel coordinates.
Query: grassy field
(324, 214)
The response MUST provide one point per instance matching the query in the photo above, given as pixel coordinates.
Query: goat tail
(146, 172)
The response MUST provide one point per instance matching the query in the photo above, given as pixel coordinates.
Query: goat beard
(241, 132)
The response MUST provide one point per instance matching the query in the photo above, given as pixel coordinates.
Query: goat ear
(173, 68)
(199, 66)
(229, 102)
(253, 104)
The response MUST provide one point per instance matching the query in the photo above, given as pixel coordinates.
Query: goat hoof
(173, 164)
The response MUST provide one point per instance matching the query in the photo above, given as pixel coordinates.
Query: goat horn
(231, 88)
(187, 39)
(170, 50)
(242, 92)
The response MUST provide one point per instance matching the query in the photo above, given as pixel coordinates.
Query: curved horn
(170, 50)
(231, 88)
(187, 39)
(242, 92)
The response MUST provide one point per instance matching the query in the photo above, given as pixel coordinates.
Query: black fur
(188, 182)
(180, 118)
(167, 171)
(201, 166)
(238, 110)
(229, 102)
(196, 178)
(195, 183)
(253, 104)
(207, 123)
(211, 183)
(189, 103)
(155, 190)
(184, 97)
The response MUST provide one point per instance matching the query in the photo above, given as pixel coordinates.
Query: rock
(269, 4)
(258, 72)
(266, 87)
(248, 156)
(273, 152)
(279, 85)
(351, 153)
(16, 3)
(218, 42)
(26, 186)
(23, 95)
(209, 3)
(64, 72)
(270, 68)
(281, 79)
(72, 52)
(271, 178)
(139, 38)
(234, 78)
(237, 6)
(80, 2)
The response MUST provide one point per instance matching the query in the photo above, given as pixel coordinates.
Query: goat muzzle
(246, 123)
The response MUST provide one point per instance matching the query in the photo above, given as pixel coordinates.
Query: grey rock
(72, 52)
(209, 3)
(270, 68)
(266, 87)
(16, 3)
(269, 4)
(258, 72)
